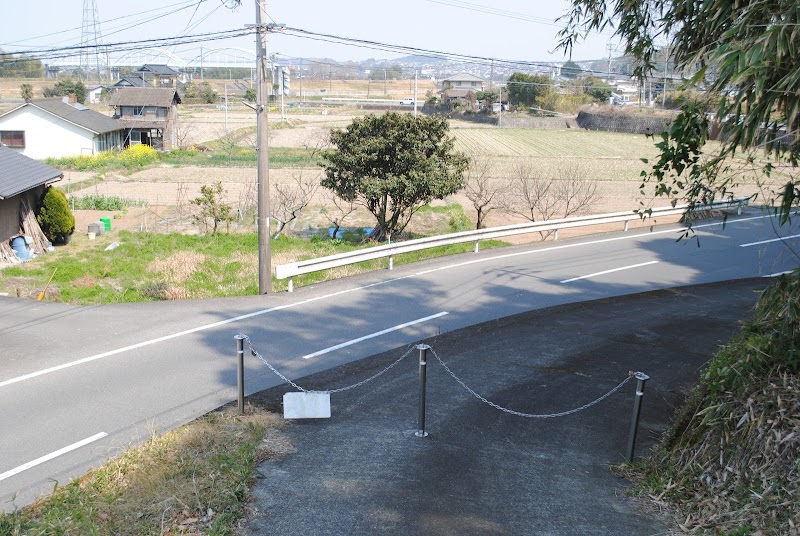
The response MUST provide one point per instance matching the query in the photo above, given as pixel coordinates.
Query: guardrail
(292, 269)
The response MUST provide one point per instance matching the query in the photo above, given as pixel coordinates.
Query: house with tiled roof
(158, 75)
(148, 114)
(56, 127)
(22, 183)
(457, 88)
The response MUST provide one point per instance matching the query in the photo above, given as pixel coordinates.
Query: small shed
(22, 183)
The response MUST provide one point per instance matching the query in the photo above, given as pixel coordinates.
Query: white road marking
(781, 239)
(609, 271)
(341, 292)
(48, 457)
(373, 335)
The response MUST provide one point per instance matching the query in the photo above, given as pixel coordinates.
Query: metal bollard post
(641, 378)
(423, 363)
(240, 370)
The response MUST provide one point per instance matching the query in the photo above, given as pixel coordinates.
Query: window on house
(138, 110)
(13, 138)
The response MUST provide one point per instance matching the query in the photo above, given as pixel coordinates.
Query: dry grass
(177, 267)
(192, 480)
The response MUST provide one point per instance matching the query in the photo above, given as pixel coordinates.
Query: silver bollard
(641, 378)
(423, 363)
(240, 370)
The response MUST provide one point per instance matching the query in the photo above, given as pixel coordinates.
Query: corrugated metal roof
(144, 96)
(18, 173)
(77, 114)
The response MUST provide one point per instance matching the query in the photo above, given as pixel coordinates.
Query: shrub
(55, 217)
(136, 156)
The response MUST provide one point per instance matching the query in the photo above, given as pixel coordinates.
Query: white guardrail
(292, 269)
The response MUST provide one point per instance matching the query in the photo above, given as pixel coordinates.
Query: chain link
(254, 352)
(529, 415)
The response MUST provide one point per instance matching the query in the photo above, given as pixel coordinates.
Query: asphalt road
(68, 375)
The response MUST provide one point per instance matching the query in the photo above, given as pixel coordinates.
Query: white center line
(373, 335)
(609, 271)
(48, 457)
(781, 239)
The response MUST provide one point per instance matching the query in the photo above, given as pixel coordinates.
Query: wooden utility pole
(262, 137)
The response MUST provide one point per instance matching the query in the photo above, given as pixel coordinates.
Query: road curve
(77, 384)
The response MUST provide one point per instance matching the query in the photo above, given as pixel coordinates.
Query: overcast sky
(512, 29)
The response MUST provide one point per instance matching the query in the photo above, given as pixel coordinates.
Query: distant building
(148, 115)
(129, 81)
(158, 75)
(456, 89)
(55, 128)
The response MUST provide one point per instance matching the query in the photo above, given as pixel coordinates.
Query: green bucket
(106, 222)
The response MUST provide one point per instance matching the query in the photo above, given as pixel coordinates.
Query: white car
(404, 102)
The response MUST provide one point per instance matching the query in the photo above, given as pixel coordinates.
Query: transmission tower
(90, 38)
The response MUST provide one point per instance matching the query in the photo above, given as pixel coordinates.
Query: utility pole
(664, 89)
(609, 59)
(491, 77)
(415, 93)
(262, 143)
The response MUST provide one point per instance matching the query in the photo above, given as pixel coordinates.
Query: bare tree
(289, 199)
(181, 131)
(538, 198)
(482, 191)
(341, 211)
(317, 141)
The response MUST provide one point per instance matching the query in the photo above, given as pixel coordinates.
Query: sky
(519, 30)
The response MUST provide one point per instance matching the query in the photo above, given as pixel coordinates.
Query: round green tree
(393, 164)
(55, 218)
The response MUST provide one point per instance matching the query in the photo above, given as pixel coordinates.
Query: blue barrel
(20, 247)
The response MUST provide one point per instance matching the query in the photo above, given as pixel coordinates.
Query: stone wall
(623, 122)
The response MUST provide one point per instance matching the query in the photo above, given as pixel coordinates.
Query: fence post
(641, 379)
(476, 246)
(626, 226)
(240, 370)
(423, 362)
(555, 235)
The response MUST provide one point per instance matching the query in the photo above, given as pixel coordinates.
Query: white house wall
(47, 136)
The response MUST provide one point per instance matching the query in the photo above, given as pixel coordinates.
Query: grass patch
(154, 266)
(103, 202)
(193, 480)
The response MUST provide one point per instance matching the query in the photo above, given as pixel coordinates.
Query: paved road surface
(70, 374)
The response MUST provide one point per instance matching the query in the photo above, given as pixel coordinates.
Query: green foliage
(212, 208)
(189, 91)
(54, 217)
(597, 89)
(250, 95)
(570, 69)
(746, 56)
(392, 164)
(206, 93)
(67, 87)
(26, 91)
(19, 66)
(138, 156)
(526, 90)
(103, 202)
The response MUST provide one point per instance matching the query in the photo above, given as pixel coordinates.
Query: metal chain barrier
(255, 353)
(529, 415)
